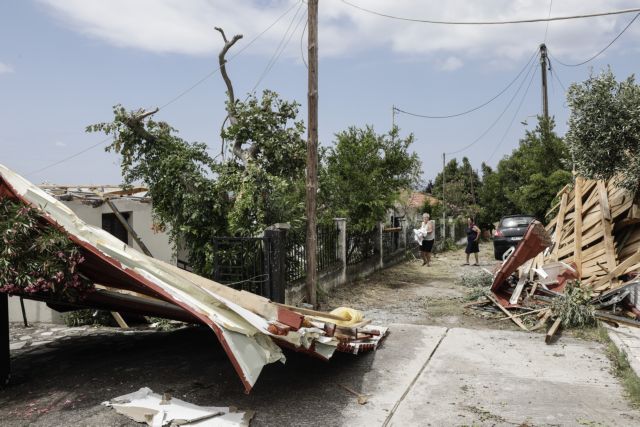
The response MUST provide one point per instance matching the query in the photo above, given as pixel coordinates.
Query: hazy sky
(65, 63)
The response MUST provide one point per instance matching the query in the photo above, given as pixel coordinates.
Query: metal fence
(327, 251)
(243, 263)
(390, 241)
(361, 246)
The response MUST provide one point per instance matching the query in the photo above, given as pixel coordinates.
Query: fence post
(380, 245)
(403, 234)
(452, 227)
(278, 268)
(5, 367)
(341, 223)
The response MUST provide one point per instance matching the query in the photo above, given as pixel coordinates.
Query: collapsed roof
(250, 328)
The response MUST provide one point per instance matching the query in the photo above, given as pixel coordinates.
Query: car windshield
(516, 221)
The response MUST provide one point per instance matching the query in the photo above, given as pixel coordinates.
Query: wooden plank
(560, 223)
(607, 227)
(523, 314)
(577, 231)
(552, 330)
(542, 321)
(505, 311)
(128, 227)
(119, 320)
(620, 269)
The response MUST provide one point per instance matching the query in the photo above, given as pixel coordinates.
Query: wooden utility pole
(312, 152)
(543, 68)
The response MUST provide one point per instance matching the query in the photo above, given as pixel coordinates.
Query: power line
(504, 135)
(546, 30)
(554, 73)
(282, 45)
(177, 97)
(71, 156)
(482, 135)
(603, 49)
(476, 107)
(304, 61)
(517, 21)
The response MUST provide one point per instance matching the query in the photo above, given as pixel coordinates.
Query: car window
(516, 221)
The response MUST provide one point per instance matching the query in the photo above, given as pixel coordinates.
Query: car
(509, 232)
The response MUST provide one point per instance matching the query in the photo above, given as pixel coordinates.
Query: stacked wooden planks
(597, 226)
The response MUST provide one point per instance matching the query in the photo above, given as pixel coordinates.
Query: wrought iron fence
(361, 246)
(327, 251)
(243, 263)
(390, 241)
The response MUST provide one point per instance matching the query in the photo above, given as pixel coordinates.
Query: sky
(65, 63)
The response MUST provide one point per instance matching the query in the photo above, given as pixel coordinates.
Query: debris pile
(251, 329)
(583, 266)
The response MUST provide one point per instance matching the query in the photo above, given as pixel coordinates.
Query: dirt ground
(412, 293)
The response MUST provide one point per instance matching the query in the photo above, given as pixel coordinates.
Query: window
(111, 224)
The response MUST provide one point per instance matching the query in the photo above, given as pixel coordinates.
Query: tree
(363, 173)
(527, 181)
(200, 197)
(604, 128)
(462, 186)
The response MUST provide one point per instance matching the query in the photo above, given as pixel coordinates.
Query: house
(99, 205)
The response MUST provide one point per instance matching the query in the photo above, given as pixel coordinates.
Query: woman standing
(473, 235)
(428, 232)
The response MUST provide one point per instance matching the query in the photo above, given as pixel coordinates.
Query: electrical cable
(304, 60)
(602, 50)
(554, 73)
(175, 98)
(546, 30)
(517, 21)
(284, 41)
(532, 67)
(425, 116)
(504, 135)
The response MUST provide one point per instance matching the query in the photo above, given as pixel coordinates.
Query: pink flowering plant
(36, 258)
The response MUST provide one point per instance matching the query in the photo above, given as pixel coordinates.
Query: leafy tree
(462, 186)
(528, 180)
(200, 197)
(363, 173)
(604, 128)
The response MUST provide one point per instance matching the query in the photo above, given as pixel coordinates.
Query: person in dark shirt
(473, 235)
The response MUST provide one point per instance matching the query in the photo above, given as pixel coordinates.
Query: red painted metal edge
(6, 189)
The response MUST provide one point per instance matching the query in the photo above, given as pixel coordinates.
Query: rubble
(592, 243)
(251, 329)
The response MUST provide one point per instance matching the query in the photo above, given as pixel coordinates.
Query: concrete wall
(141, 221)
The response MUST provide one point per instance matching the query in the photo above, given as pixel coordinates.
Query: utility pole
(444, 206)
(312, 152)
(393, 117)
(543, 66)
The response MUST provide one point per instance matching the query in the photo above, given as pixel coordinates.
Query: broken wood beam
(128, 227)
(119, 320)
(505, 311)
(542, 321)
(552, 330)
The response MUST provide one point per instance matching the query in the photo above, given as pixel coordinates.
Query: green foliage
(574, 307)
(88, 317)
(604, 128)
(527, 181)
(363, 173)
(36, 258)
(462, 188)
(200, 197)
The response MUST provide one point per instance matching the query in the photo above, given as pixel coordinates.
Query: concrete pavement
(422, 375)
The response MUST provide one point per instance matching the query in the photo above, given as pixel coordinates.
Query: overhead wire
(601, 51)
(483, 134)
(177, 97)
(476, 108)
(546, 30)
(516, 21)
(284, 41)
(504, 135)
(304, 60)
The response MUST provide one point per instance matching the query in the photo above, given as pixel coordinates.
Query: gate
(252, 264)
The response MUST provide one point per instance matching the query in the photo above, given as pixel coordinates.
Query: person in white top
(428, 232)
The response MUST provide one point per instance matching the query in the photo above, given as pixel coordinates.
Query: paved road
(423, 375)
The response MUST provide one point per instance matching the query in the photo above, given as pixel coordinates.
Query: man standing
(428, 231)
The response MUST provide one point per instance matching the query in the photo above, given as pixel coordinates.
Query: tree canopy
(604, 128)
(462, 186)
(363, 173)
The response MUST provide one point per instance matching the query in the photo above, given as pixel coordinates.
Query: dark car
(509, 233)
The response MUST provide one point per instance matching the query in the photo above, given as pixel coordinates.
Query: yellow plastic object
(350, 316)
